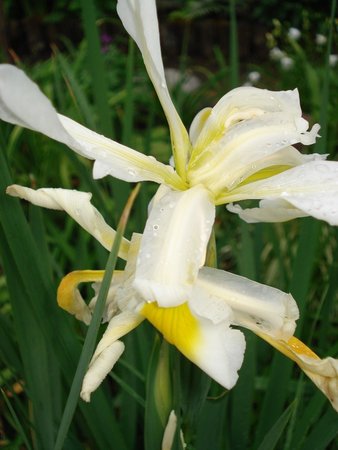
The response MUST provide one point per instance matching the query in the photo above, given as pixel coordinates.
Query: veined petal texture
(77, 205)
(220, 295)
(140, 20)
(173, 246)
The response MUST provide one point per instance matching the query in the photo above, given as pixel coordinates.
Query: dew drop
(132, 172)
(156, 227)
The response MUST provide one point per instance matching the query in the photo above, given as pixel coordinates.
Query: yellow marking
(178, 326)
(262, 174)
(66, 296)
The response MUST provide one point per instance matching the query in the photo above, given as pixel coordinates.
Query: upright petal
(140, 21)
(216, 348)
(220, 296)
(237, 140)
(312, 188)
(22, 103)
(323, 372)
(173, 246)
(77, 205)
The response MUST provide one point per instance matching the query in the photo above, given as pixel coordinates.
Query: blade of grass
(274, 434)
(89, 343)
(17, 422)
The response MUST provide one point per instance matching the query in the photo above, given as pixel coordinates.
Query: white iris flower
(201, 327)
(240, 149)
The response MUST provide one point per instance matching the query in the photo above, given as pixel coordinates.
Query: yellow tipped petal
(323, 372)
(69, 297)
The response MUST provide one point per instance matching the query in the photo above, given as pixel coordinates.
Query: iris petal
(22, 103)
(173, 246)
(140, 20)
(77, 205)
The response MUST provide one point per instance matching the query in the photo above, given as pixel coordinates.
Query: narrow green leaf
(272, 437)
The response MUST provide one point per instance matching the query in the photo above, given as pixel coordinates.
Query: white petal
(22, 103)
(112, 158)
(220, 295)
(140, 21)
(269, 210)
(197, 124)
(169, 432)
(311, 187)
(98, 371)
(214, 347)
(247, 147)
(174, 245)
(108, 350)
(220, 352)
(77, 205)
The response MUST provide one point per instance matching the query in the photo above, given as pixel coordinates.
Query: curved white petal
(245, 103)
(246, 148)
(241, 133)
(220, 295)
(269, 210)
(99, 369)
(173, 246)
(77, 205)
(214, 347)
(311, 187)
(108, 350)
(220, 352)
(22, 103)
(140, 21)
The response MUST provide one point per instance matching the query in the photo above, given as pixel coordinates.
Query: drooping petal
(173, 246)
(323, 372)
(269, 210)
(222, 296)
(311, 187)
(22, 103)
(99, 369)
(77, 205)
(216, 348)
(108, 350)
(140, 21)
(69, 297)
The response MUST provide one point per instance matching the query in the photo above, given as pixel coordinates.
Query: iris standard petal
(220, 296)
(216, 348)
(311, 187)
(108, 351)
(243, 150)
(140, 21)
(22, 103)
(245, 103)
(77, 205)
(173, 245)
(323, 372)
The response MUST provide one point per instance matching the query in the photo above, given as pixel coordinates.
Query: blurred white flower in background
(276, 54)
(254, 76)
(333, 59)
(320, 39)
(294, 33)
(286, 62)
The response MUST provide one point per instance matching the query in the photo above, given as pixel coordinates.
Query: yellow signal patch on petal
(178, 326)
